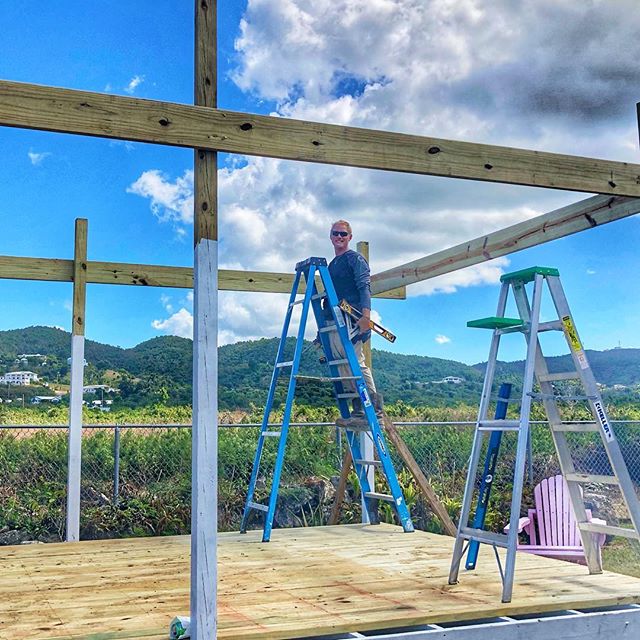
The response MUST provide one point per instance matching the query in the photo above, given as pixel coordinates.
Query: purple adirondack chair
(551, 526)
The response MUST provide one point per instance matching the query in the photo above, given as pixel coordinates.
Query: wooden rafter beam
(81, 112)
(56, 270)
(579, 216)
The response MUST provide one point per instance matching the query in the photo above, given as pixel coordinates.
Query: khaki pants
(338, 350)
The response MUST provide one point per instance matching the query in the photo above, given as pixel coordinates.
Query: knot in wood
(433, 150)
(164, 122)
(246, 126)
(488, 166)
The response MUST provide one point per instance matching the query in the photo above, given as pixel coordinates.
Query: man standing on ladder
(352, 280)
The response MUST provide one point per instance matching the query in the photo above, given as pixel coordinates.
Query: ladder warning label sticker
(571, 333)
(337, 312)
(602, 419)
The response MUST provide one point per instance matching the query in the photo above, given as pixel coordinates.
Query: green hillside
(160, 371)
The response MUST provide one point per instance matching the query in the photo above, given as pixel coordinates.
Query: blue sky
(500, 75)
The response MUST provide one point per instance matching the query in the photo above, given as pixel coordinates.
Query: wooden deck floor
(305, 582)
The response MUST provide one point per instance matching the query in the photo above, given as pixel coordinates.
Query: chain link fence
(136, 479)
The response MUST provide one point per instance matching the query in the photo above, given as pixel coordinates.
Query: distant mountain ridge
(160, 369)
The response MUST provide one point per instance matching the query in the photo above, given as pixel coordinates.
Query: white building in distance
(20, 378)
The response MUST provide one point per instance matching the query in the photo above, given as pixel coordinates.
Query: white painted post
(366, 443)
(77, 382)
(204, 447)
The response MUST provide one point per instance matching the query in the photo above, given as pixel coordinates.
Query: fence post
(116, 464)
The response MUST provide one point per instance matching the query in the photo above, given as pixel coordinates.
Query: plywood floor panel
(305, 582)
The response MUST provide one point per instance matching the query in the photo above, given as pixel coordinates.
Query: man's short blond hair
(345, 223)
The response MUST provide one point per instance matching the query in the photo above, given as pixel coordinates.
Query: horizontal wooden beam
(579, 216)
(81, 112)
(150, 275)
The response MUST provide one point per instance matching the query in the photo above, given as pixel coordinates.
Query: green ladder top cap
(494, 323)
(527, 275)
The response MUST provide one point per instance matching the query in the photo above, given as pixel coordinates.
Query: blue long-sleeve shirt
(352, 279)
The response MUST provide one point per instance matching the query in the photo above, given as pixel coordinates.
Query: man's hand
(363, 324)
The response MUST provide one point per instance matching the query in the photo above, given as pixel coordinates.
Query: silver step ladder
(530, 326)
(312, 300)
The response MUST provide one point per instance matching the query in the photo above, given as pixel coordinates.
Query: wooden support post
(77, 381)
(342, 487)
(366, 443)
(204, 480)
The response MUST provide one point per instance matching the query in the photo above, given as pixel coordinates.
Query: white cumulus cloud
(442, 339)
(179, 323)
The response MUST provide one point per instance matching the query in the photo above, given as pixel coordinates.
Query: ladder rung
(347, 395)
(293, 304)
(587, 477)
(487, 537)
(378, 496)
(576, 427)
(280, 365)
(370, 463)
(554, 325)
(319, 296)
(565, 375)
(342, 361)
(272, 434)
(360, 425)
(327, 378)
(498, 425)
(258, 506)
(553, 396)
(593, 527)
(331, 327)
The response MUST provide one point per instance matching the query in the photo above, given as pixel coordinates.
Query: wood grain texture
(54, 109)
(559, 223)
(152, 275)
(204, 450)
(305, 582)
(80, 277)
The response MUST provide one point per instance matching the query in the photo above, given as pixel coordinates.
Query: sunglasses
(342, 234)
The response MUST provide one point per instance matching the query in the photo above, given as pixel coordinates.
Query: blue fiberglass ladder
(309, 268)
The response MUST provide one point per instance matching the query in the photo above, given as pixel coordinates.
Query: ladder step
(593, 527)
(527, 275)
(258, 506)
(553, 396)
(327, 378)
(495, 322)
(281, 365)
(319, 296)
(499, 425)
(336, 362)
(272, 434)
(576, 427)
(379, 496)
(565, 375)
(370, 463)
(347, 395)
(331, 327)
(554, 325)
(587, 477)
(487, 537)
